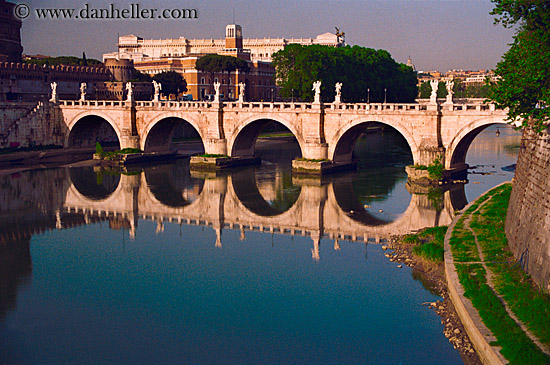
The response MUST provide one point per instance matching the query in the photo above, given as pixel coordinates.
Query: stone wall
(528, 219)
(37, 126)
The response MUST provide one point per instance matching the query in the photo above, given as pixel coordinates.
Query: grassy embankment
(511, 284)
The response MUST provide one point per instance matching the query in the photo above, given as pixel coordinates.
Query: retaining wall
(528, 219)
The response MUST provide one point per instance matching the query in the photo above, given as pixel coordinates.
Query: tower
(10, 33)
(233, 36)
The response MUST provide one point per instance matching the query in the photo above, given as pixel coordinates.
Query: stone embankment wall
(25, 125)
(528, 219)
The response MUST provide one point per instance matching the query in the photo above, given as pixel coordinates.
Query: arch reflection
(95, 184)
(264, 195)
(348, 201)
(173, 185)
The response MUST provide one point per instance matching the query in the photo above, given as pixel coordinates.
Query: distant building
(181, 54)
(10, 34)
(260, 49)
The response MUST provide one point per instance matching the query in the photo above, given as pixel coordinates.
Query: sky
(436, 34)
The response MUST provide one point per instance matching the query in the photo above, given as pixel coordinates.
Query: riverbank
(488, 300)
(505, 313)
(429, 269)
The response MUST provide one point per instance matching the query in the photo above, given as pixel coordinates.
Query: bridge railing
(267, 105)
(170, 104)
(414, 107)
(96, 103)
(475, 105)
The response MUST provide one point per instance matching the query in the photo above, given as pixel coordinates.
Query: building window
(202, 80)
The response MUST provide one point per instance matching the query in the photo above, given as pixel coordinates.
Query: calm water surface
(254, 266)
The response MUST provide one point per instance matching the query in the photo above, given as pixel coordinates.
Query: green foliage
(425, 90)
(98, 149)
(441, 90)
(459, 89)
(524, 84)
(171, 81)
(428, 244)
(357, 68)
(141, 77)
(219, 63)
(435, 169)
(214, 63)
(113, 155)
(65, 60)
(212, 155)
(529, 303)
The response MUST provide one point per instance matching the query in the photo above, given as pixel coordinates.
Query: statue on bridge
(338, 88)
(217, 92)
(242, 86)
(433, 97)
(317, 89)
(83, 88)
(54, 98)
(158, 88)
(129, 88)
(449, 85)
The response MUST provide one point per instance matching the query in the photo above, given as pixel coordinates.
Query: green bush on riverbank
(428, 244)
(112, 155)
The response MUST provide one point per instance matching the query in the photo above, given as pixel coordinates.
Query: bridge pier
(430, 156)
(215, 146)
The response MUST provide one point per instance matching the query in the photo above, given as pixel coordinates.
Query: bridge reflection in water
(38, 201)
(235, 200)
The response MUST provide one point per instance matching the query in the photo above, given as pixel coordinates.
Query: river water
(165, 265)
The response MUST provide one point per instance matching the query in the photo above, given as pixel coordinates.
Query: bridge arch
(342, 144)
(87, 124)
(243, 140)
(455, 156)
(159, 131)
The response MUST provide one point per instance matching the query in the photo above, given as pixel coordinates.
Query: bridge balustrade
(171, 104)
(94, 103)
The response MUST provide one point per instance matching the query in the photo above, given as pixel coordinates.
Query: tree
(214, 63)
(425, 90)
(171, 81)
(140, 76)
(524, 71)
(64, 60)
(358, 69)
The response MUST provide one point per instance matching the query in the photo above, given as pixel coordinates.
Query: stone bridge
(323, 131)
(234, 201)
